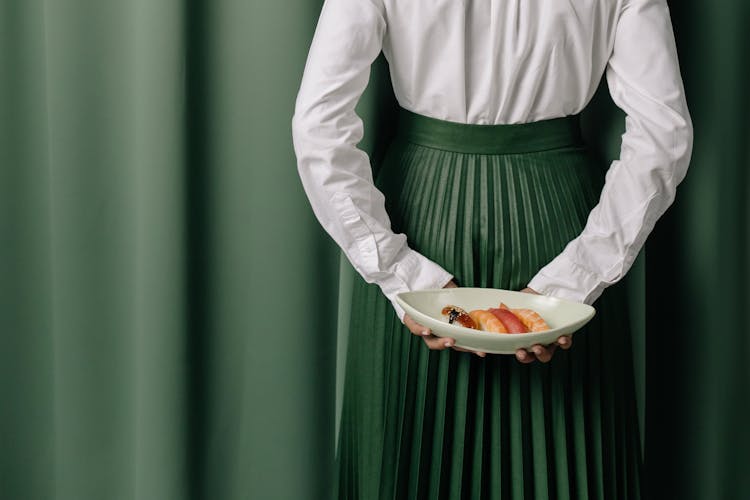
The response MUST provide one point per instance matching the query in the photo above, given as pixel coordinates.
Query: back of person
(497, 61)
(488, 183)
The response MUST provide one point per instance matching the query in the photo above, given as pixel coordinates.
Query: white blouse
(494, 61)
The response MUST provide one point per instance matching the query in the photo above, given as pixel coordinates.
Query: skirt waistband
(478, 138)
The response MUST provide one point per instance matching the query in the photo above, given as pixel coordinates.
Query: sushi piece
(456, 315)
(487, 321)
(512, 323)
(529, 317)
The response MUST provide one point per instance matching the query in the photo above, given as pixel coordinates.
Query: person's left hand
(539, 352)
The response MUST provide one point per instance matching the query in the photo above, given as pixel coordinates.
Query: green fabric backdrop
(698, 300)
(168, 303)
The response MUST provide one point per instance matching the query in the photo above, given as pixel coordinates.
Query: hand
(432, 341)
(538, 351)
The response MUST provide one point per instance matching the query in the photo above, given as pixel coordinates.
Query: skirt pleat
(418, 423)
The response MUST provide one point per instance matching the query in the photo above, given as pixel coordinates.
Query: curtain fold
(170, 324)
(698, 390)
(167, 320)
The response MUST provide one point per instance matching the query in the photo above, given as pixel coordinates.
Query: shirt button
(482, 120)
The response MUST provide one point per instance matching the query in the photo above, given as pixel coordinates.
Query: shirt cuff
(412, 271)
(567, 279)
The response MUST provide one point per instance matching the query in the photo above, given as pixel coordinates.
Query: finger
(478, 353)
(524, 356)
(565, 341)
(416, 328)
(543, 354)
(412, 325)
(438, 343)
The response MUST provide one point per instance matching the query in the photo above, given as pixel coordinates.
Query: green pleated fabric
(492, 204)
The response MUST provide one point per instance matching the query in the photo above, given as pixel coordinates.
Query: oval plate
(563, 316)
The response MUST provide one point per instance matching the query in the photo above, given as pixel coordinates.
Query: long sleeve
(335, 173)
(644, 80)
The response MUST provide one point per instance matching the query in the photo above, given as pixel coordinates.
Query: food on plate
(529, 317)
(455, 314)
(487, 321)
(512, 323)
(502, 319)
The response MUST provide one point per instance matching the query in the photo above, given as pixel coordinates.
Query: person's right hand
(433, 341)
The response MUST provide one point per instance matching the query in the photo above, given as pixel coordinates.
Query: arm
(335, 173)
(644, 80)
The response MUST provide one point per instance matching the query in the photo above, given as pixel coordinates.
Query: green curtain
(169, 326)
(698, 340)
(166, 309)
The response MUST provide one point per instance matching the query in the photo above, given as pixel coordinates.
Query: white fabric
(494, 61)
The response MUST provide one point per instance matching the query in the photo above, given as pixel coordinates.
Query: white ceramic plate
(563, 316)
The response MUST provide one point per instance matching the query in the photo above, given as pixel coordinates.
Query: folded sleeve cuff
(412, 271)
(567, 279)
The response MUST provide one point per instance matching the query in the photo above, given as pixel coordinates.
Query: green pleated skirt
(492, 204)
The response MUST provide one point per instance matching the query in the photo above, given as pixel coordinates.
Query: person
(488, 183)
